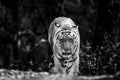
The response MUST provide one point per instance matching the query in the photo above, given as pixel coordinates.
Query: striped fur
(64, 39)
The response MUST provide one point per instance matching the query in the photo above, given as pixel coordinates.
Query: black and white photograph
(59, 39)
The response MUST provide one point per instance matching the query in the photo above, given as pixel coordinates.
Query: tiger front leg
(75, 68)
(58, 67)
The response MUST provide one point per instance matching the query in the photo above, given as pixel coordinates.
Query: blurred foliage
(24, 29)
(31, 75)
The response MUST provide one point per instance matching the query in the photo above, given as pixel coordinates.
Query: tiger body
(64, 39)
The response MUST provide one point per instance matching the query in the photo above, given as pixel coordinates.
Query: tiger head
(64, 34)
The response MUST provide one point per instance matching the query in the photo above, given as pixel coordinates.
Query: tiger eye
(61, 40)
(71, 40)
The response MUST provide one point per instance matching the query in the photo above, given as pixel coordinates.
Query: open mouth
(66, 53)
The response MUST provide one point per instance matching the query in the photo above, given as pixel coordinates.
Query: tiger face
(64, 39)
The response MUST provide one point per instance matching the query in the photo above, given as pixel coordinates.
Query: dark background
(24, 28)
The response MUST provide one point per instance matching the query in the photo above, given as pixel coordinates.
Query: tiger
(64, 39)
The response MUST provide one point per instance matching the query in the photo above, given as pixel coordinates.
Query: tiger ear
(57, 25)
(76, 26)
